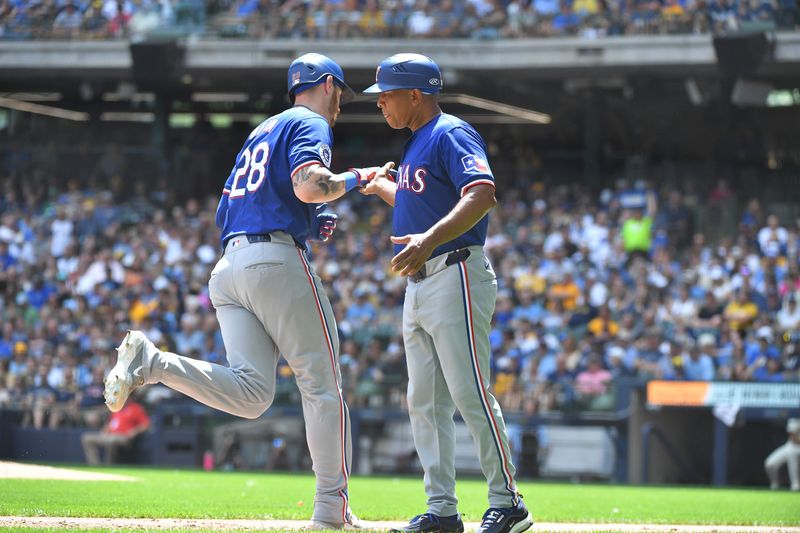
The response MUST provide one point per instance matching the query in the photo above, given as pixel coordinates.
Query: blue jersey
(441, 161)
(258, 196)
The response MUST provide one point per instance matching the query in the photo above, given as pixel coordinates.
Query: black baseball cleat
(431, 522)
(506, 520)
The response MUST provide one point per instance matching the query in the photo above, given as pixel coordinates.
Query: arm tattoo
(323, 181)
(302, 176)
(327, 186)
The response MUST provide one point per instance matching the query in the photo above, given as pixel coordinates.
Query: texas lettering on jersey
(442, 160)
(416, 181)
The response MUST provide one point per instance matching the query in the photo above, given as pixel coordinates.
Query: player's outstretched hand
(324, 224)
(386, 172)
(413, 256)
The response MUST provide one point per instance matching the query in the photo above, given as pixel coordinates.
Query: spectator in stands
(770, 370)
(564, 291)
(757, 353)
(94, 23)
(6, 345)
(13, 395)
(651, 363)
(190, 338)
(372, 22)
(546, 8)
(698, 365)
(565, 22)
(637, 235)
(65, 404)
(741, 313)
(521, 19)
(788, 454)
(788, 318)
(68, 21)
(421, 22)
(119, 433)
(447, 18)
(603, 327)
(561, 392)
(592, 385)
(491, 21)
(90, 400)
(709, 315)
(617, 366)
(773, 239)
(18, 366)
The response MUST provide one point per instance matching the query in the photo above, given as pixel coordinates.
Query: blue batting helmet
(310, 69)
(407, 71)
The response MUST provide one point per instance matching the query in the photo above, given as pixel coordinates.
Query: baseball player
(268, 299)
(441, 195)
(789, 454)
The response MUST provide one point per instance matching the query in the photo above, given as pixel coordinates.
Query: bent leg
(246, 388)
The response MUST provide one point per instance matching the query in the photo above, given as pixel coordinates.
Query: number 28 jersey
(258, 196)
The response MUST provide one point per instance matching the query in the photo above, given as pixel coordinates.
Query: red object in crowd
(131, 416)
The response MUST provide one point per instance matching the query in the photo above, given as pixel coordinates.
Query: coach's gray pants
(269, 302)
(446, 324)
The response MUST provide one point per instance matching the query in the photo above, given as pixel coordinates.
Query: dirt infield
(30, 471)
(267, 525)
(10, 470)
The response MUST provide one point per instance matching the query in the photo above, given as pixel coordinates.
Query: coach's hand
(324, 224)
(385, 173)
(365, 175)
(382, 184)
(418, 250)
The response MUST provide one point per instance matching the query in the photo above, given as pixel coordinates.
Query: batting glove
(364, 175)
(324, 224)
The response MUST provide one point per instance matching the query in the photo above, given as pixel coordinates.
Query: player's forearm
(316, 184)
(386, 191)
(469, 210)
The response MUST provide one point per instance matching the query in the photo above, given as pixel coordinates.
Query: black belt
(452, 259)
(251, 238)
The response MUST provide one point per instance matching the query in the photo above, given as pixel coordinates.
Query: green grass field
(198, 494)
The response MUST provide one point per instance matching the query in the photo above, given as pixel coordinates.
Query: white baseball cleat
(127, 373)
(353, 522)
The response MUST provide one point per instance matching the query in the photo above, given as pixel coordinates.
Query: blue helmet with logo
(407, 71)
(311, 69)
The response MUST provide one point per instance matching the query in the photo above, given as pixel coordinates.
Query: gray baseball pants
(446, 324)
(270, 302)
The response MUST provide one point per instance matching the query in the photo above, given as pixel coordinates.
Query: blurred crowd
(594, 285)
(352, 19)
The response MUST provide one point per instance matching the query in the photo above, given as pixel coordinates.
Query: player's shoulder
(453, 125)
(303, 115)
(456, 129)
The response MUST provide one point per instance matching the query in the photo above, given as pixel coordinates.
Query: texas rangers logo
(473, 163)
(295, 78)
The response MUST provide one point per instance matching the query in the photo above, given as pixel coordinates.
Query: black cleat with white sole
(506, 520)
